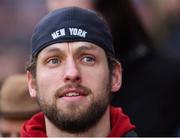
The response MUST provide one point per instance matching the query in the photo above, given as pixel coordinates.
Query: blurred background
(17, 20)
(147, 42)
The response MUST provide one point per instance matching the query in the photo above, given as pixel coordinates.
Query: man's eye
(53, 61)
(88, 60)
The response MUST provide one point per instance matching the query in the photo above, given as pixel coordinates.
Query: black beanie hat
(71, 24)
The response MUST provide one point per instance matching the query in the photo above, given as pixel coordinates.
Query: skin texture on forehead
(80, 47)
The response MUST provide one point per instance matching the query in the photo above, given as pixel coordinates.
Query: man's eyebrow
(83, 48)
(54, 49)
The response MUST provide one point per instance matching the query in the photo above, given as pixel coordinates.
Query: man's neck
(101, 129)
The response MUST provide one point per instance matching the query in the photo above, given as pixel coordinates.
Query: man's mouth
(72, 92)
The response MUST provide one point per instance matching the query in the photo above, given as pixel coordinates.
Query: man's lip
(71, 90)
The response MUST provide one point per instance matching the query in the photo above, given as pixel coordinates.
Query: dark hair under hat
(72, 24)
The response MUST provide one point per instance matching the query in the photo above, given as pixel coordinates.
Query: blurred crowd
(17, 20)
(146, 38)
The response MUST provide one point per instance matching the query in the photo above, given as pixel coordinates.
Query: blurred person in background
(151, 79)
(16, 105)
(150, 89)
(170, 11)
(17, 19)
(56, 4)
(161, 18)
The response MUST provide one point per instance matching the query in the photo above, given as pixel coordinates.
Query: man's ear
(31, 84)
(116, 77)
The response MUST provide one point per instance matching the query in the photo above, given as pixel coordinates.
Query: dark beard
(77, 122)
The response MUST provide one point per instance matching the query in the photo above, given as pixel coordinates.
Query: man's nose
(71, 71)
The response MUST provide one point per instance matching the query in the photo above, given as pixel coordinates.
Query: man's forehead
(75, 46)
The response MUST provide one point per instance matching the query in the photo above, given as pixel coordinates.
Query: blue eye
(88, 60)
(53, 61)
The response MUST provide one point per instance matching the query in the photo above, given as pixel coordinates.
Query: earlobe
(31, 84)
(116, 78)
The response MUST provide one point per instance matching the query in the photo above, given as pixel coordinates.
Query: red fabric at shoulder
(120, 123)
(35, 127)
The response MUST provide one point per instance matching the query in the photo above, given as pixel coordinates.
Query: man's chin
(73, 110)
(73, 106)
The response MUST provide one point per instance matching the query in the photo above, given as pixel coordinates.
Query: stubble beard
(77, 121)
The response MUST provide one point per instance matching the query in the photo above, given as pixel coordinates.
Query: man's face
(73, 84)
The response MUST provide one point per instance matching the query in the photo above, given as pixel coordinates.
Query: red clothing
(120, 123)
